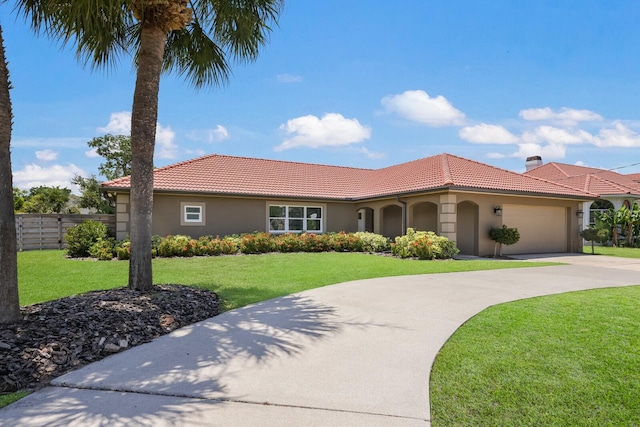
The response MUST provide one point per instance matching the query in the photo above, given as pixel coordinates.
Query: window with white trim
(192, 213)
(295, 219)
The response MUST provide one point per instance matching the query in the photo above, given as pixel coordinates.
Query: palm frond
(98, 29)
(193, 54)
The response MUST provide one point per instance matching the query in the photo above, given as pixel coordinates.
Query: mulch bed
(59, 336)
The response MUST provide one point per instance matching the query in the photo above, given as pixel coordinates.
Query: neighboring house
(452, 196)
(614, 189)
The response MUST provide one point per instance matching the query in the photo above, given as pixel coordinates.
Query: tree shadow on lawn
(221, 359)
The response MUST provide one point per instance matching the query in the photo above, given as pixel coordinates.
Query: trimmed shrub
(597, 235)
(177, 245)
(311, 242)
(503, 236)
(123, 250)
(81, 237)
(287, 242)
(256, 243)
(423, 245)
(103, 249)
(372, 242)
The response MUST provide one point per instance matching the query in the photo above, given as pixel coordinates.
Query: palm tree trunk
(9, 303)
(144, 115)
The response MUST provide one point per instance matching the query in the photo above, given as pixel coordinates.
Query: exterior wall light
(497, 210)
(580, 213)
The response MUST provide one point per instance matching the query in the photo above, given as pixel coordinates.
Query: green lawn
(562, 360)
(611, 251)
(568, 359)
(238, 280)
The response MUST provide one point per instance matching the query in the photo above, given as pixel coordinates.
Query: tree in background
(612, 220)
(9, 302)
(116, 150)
(19, 197)
(91, 197)
(193, 38)
(47, 200)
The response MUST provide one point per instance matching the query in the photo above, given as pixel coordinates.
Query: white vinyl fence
(47, 231)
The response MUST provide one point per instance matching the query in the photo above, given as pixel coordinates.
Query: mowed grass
(238, 280)
(613, 251)
(564, 360)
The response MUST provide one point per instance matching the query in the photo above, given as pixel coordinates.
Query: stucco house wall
(227, 215)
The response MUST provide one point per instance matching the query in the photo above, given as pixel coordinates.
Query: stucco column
(447, 217)
(377, 220)
(122, 216)
(586, 213)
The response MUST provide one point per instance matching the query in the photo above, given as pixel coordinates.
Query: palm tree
(194, 38)
(9, 305)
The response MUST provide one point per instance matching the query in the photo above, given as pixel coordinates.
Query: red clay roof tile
(217, 174)
(592, 180)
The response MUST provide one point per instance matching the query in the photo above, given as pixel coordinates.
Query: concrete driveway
(352, 354)
(586, 260)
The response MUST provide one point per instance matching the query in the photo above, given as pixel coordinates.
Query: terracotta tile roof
(634, 176)
(592, 180)
(217, 174)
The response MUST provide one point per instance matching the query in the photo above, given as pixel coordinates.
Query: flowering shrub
(103, 249)
(123, 250)
(423, 245)
(372, 242)
(256, 243)
(250, 243)
(177, 245)
(287, 242)
(81, 237)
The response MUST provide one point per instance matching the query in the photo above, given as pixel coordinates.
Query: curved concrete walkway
(352, 354)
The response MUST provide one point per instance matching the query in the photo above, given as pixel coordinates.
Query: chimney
(533, 162)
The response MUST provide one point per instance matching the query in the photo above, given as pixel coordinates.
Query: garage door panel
(541, 228)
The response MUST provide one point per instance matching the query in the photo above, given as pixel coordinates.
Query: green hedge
(421, 244)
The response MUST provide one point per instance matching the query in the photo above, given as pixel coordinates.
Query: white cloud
(119, 124)
(617, 136)
(567, 116)
(418, 106)
(373, 155)
(580, 163)
(329, 131)
(487, 134)
(56, 175)
(195, 153)
(555, 135)
(166, 148)
(218, 134)
(46, 155)
(93, 153)
(210, 135)
(289, 78)
(496, 156)
(549, 151)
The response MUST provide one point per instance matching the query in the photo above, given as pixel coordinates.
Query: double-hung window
(295, 219)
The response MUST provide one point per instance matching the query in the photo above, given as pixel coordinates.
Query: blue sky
(362, 83)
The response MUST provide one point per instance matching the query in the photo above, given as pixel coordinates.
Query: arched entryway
(365, 219)
(425, 217)
(392, 221)
(467, 228)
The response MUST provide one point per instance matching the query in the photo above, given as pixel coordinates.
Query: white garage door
(541, 228)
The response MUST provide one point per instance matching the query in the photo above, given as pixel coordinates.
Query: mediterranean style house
(450, 195)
